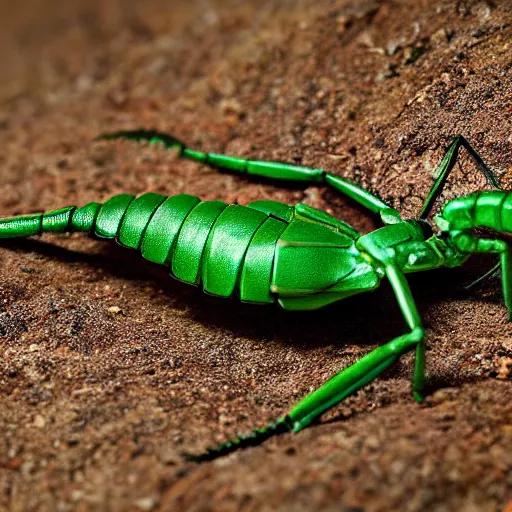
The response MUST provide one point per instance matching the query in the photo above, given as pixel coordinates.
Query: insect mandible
(298, 256)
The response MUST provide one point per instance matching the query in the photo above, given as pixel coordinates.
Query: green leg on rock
(272, 170)
(442, 172)
(349, 380)
(413, 320)
(470, 243)
(445, 167)
(370, 366)
(506, 277)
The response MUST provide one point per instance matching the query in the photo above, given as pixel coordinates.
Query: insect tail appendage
(62, 220)
(256, 437)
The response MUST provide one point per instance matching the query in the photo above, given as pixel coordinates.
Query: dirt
(110, 370)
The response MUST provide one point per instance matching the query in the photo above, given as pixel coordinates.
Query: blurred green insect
(299, 256)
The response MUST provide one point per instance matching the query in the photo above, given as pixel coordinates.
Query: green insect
(298, 256)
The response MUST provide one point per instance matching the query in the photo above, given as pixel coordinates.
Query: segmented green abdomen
(221, 247)
(224, 248)
(487, 209)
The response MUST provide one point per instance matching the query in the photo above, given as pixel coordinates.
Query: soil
(110, 370)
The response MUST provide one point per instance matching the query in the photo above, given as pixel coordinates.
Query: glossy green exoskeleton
(301, 257)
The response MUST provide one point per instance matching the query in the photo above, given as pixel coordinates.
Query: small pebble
(145, 504)
(39, 421)
(505, 368)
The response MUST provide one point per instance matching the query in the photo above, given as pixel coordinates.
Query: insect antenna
(483, 278)
(255, 438)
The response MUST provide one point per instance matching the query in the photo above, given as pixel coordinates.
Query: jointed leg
(366, 369)
(443, 170)
(273, 170)
(413, 319)
(349, 380)
(506, 277)
(470, 243)
(445, 167)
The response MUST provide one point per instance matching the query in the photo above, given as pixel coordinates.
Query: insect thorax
(409, 244)
(317, 262)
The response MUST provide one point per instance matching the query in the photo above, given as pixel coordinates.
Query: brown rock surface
(109, 370)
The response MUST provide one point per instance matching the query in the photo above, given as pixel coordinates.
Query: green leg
(367, 368)
(413, 320)
(470, 243)
(272, 170)
(349, 380)
(506, 276)
(447, 164)
(443, 170)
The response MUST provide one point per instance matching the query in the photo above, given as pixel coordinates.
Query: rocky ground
(109, 370)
